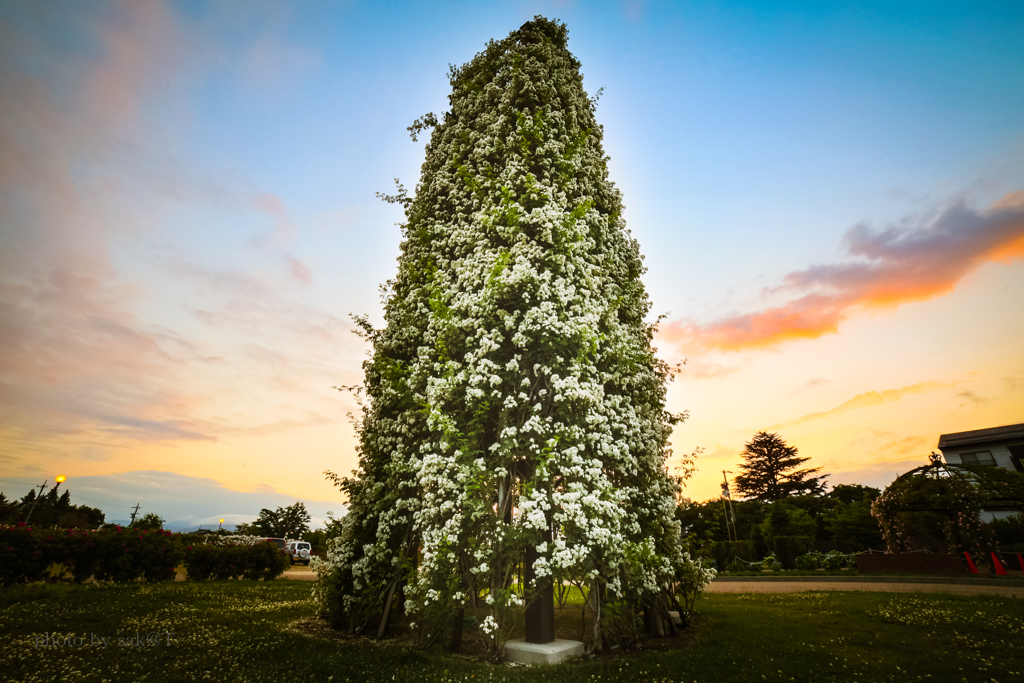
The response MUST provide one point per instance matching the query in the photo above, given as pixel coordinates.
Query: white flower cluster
(235, 539)
(513, 395)
(489, 626)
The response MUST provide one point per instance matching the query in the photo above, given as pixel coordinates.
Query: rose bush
(110, 554)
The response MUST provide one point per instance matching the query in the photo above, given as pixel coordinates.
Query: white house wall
(1001, 454)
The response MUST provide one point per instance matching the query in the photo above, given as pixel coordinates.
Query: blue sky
(187, 215)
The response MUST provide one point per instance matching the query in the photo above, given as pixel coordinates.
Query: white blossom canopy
(515, 342)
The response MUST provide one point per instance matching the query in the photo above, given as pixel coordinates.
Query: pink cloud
(74, 358)
(300, 271)
(269, 203)
(896, 265)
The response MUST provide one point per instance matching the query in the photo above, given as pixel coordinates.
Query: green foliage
(938, 506)
(515, 370)
(833, 561)
(111, 554)
(807, 561)
(726, 552)
(831, 637)
(842, 518)
(771, 563)
(769, 471)
(788, 521)
(52, 510)
(9, 510)
(234, 561)
(1009, 532)
(851, 523)
(150, 522)
(284, 522)
(788, 548)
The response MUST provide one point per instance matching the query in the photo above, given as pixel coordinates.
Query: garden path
(893, 587)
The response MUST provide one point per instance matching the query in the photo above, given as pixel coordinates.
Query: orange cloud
(897, 265)
(867, 400)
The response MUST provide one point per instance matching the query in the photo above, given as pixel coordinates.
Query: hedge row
(785, 548)
(260, 561)
(123, 554)
(114, 554)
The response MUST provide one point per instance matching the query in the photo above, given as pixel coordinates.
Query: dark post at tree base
(540, 608)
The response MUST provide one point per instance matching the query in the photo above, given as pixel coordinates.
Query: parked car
(280, 542)
(299, 552)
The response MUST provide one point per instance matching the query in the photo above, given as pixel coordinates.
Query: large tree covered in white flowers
(514, 408)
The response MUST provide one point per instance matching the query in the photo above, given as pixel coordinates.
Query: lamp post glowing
(60, 479)
(221, 524)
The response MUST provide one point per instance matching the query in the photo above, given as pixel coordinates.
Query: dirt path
(801, 586)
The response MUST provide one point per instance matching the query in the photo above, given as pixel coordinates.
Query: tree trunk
(653, 623)
(595, 605)
(387, 609)
(456, 643)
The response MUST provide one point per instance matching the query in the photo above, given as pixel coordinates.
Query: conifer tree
(770, 470)
(513, 403)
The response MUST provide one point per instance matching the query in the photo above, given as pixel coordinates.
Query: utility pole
(134, 512)
(42, 487)
(727, 506)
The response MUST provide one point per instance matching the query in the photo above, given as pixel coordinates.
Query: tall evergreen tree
(513, 401)
(768, 470)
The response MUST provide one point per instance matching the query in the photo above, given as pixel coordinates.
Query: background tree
(319, 537)
(848, 518)
(284, 522)
(150, 522)
(9, 510)
(52, 510)
(769, 470)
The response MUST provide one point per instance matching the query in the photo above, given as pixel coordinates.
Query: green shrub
(788, 548)
(726, 552)
(833, 561)
(771, 562)
(737, 566)
(259, 561)
(123, 554)
(111, 554)
(24, 554)
(806, 561)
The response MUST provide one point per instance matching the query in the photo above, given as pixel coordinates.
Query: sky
(829, 197)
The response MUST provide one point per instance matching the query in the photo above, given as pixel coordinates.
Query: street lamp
(59, 478)
(221, 524)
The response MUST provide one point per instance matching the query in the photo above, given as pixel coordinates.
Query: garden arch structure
(953, 496)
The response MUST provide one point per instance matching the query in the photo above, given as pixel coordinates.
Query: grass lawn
(263, 631)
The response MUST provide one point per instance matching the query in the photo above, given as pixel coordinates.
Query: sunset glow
(830, 201)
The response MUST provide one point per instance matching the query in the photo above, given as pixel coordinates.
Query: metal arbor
(947, 498)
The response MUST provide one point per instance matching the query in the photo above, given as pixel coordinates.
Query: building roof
(1004, 433)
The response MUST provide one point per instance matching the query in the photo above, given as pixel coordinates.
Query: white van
(299, 552)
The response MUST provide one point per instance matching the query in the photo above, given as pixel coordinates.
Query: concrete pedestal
(519, 650)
